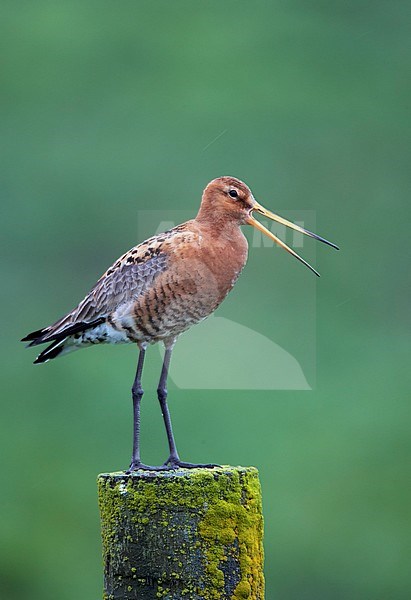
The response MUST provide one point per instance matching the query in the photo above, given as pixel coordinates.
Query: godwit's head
(228, 199)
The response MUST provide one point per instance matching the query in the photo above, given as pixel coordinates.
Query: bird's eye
(233, 193)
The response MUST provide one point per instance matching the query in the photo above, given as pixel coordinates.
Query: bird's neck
(217, 224)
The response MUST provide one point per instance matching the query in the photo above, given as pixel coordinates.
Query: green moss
(225, 524)
(243, 590)
(235, 514)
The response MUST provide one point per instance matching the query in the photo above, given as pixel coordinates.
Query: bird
(162, 287)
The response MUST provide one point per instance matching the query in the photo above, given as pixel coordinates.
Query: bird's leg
(173, 460)
(162, 398)
(137, 393)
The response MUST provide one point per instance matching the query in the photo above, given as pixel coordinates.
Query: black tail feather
(46, 335)
(35, 335)
(50, 352)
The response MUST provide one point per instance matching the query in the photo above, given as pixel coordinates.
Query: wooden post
(189, 534)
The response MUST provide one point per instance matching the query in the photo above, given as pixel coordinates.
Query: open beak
(263, 211)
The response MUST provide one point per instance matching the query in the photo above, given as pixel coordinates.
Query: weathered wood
(185, 534)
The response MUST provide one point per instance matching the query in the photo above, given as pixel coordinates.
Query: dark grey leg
(162, 398)
(173, 460)
(137, 393)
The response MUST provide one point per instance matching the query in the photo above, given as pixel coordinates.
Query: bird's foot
(175, 463)
(171, 464)
(139, 466)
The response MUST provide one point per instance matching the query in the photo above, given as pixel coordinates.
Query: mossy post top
(196, 474)
(188, 533)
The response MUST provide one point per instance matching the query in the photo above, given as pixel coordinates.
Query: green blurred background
(109, 108)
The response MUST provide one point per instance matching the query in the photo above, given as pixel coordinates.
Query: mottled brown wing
(131, 275)
(124, 283)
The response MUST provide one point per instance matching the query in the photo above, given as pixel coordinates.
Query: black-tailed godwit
(163, 286)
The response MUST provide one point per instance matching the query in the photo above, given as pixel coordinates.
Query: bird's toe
(143, 467)
(179, 464)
